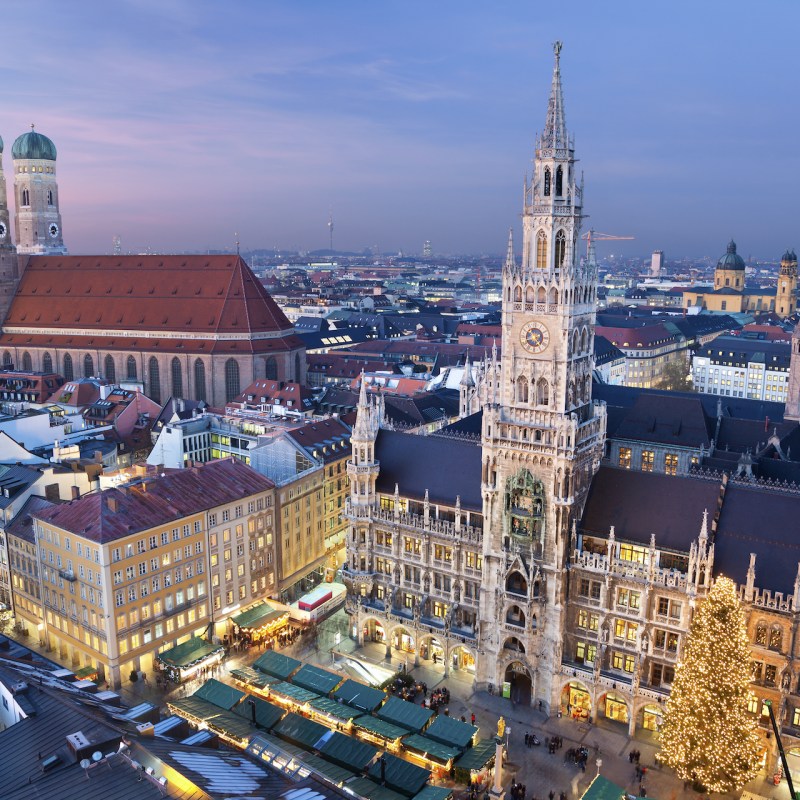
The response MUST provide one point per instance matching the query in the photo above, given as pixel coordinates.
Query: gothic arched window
(776, 638)
(522, 389)
(7, 360)
(154, 379)
(231, 379)
(271, 368)
(69, 373)
(110, 370)
(541, 295)
(553, 296)
(47, 363)
(199, 380)
(547, 181)
(542, 392)
(130, 367)
(529, 294)
(541, 250)
(298, 368)
(177, 377)
(517, 294)
(561, 249)
(761, 634)
(26, 197)
(50, 197)
(27, 362)
(88, 366)
(559, 181)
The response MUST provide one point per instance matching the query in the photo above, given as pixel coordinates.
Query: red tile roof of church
(188, 293)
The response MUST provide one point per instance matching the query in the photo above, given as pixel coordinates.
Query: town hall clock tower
(542, 434)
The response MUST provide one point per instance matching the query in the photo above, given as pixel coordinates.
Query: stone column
(497, 789)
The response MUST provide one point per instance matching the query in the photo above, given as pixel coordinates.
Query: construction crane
(594, 236)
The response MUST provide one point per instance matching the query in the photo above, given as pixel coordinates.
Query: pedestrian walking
(472, 718)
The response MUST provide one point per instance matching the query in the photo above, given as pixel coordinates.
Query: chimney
(98, 456)
(112, 502)
(76, 492)
(105, 391)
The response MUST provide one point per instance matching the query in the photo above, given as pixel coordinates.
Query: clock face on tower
(3, 230)
(53, 230)
(534, 337)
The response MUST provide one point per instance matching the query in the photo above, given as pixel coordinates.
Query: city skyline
(178, 129)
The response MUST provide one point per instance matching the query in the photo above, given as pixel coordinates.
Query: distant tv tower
(117, 245)
(330, 228)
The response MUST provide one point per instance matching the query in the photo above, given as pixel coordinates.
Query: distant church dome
(1, 144)
(731, 259)
(33, 145)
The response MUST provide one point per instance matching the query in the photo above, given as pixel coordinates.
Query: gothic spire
(510, 262)
(554, 135)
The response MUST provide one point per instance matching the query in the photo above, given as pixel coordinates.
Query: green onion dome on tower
(33, 145)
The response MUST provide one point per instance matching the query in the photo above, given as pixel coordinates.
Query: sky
(184, 125)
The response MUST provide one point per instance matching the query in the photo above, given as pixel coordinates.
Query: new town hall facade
(516, 545)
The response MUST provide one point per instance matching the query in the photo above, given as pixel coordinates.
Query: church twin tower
(37, 224)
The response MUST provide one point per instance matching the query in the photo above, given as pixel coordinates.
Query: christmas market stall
(185, 660)
(261, 621)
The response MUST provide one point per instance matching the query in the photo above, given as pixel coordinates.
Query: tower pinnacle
(554, 135)
(510, 250)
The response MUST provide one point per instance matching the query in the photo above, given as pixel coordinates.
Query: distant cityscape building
(730, 294)
(427, 249)
(657, 263)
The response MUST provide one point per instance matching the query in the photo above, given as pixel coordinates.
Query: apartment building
(124, 573)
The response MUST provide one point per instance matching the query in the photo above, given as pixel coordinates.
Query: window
(47, 363)
(775, 639)
(761, 634)
(559, 181)
(626, 598)
(130, 368)
(625, 457)
(271, 368)
(27, 362)
(671, 464)
(648, 457)
(541, 250)
(154, 378)
(232, 389)
(561, 249)
(26, 197)
(632, 552)
(585, 652)
(770, 673)
(177, 377)
(199, 380)
(547, 181)
(88, 366)
(69, 372)
(110, 370)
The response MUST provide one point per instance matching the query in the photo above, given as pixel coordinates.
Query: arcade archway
(433, 649)
(576, 702)
(403, 639)
(614, 708)
(463, 659)
(517, 683)
(650, 717)
(373, 631)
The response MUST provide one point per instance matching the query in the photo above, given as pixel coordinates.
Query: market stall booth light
(475, 766)
(259, 622)
(185, 660)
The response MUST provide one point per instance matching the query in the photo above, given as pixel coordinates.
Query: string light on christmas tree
(708, 735)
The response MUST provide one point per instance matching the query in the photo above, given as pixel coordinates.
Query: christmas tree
(708, 736)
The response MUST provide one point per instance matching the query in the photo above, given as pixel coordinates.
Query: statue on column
(501, 728)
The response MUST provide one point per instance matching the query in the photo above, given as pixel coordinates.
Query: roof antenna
(236, 234)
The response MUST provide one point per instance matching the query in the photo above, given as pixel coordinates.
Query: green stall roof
(434, 793)
(217, 719)
(380, 727)
(257, 616)
(333, 772)
(407, 715)
(296, 693)
(428, 747)
(316, 680)
(220, 694)
(400, 775)
(195, 707)
(277, 664)
(188, 653)
(333, 709)
(477, 756)
(252, 677)
(300, 730)
(267, 714)
(451, 731)
(360, 696)
(367, 788)
(603, 789)
(347, 752)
